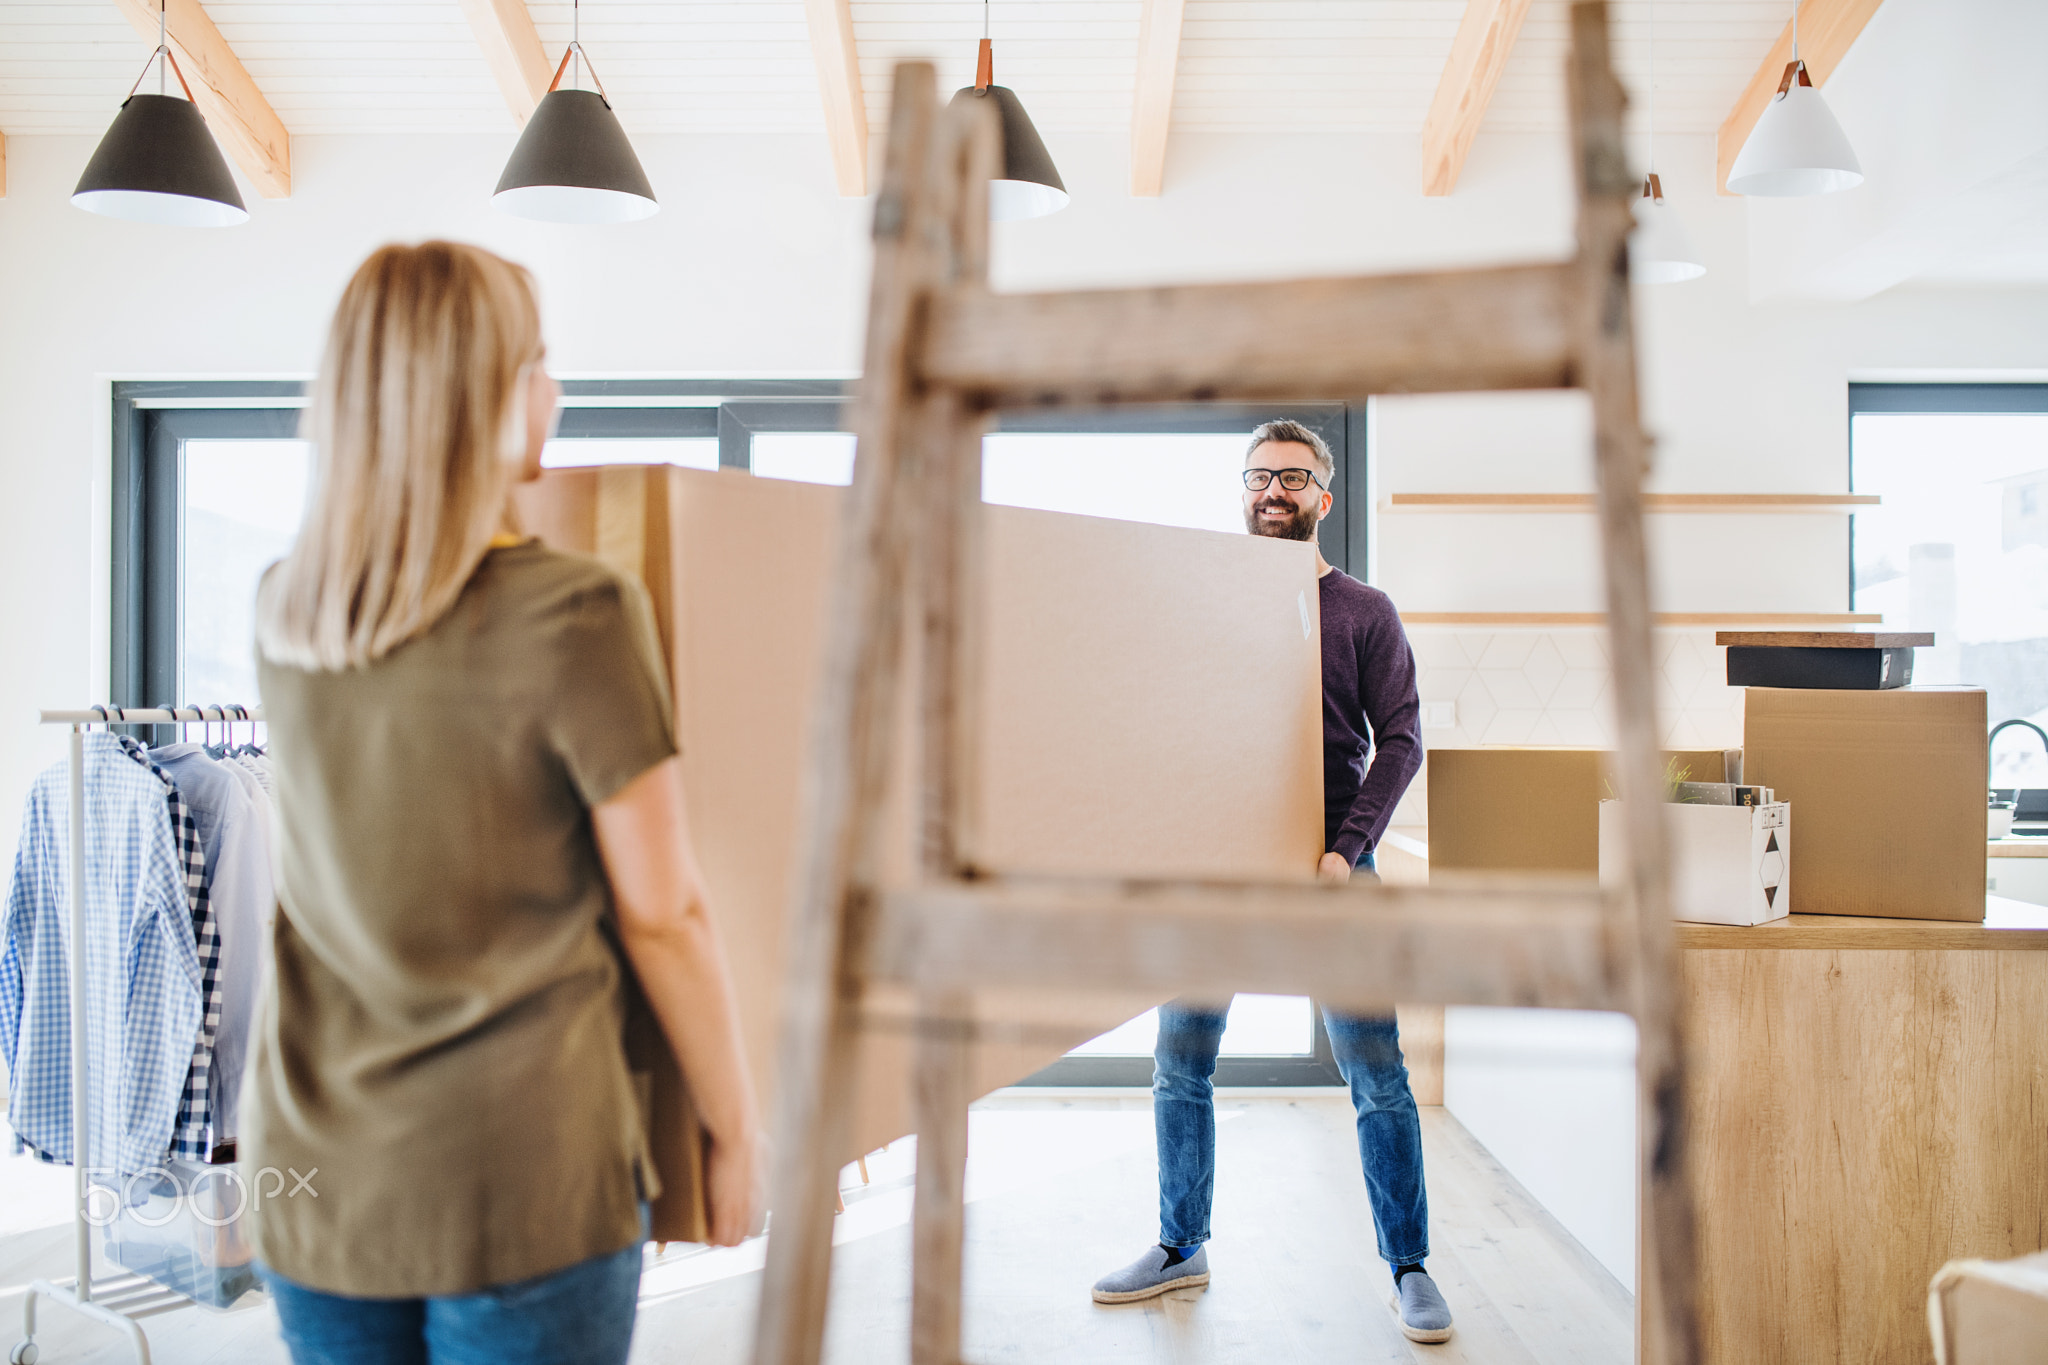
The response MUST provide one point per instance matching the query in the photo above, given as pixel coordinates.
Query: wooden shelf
(1827, 639)
(1664, 619)
(1652, 502)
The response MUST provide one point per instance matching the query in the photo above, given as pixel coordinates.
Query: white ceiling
(342, 66)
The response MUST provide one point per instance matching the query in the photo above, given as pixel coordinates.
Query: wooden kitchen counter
(1869, 1099)
(2009, 925)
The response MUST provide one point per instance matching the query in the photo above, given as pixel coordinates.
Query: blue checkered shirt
(143, 1007)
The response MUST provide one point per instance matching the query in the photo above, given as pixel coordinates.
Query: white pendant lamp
(157, 162)
(1660, 250)
(574, 163)
(1796, 148)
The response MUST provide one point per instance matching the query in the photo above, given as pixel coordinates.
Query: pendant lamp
(1659, 250)
(157, 162)
(573, 163)
(1796, 147)
(1029, 186)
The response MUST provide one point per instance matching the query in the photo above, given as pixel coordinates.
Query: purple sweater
(1368, 702)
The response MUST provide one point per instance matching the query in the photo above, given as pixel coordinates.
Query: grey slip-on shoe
(1423, 1313)
(1150, 1276)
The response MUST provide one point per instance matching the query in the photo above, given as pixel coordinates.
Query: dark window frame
(151, 420)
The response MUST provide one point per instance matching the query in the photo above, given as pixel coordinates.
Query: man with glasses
(1369, 710)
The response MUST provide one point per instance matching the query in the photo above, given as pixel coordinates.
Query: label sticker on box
(1308, 625)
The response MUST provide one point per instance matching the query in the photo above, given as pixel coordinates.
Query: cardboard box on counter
(1889, 787)
(1535, 809)
(1729, 863)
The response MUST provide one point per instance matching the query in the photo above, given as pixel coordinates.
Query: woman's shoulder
(536, 581)
(534, 567)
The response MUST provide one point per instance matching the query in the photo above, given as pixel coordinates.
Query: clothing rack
(119, 1301)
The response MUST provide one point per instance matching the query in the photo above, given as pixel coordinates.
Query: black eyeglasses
(1293, 480)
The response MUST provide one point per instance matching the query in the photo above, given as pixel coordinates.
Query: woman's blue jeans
(1368, 1050)
(582, 1315)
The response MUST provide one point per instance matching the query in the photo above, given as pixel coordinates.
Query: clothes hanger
(218, 751)
(248, 750)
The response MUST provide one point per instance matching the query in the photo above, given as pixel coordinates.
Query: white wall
(754, 267)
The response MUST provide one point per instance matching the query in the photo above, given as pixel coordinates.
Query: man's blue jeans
(1368, 1050)
(581, 1315)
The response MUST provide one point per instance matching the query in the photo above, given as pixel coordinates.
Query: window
(1959, 545)
(1189, 479)
(568, 452)
(806, 456)
(213, 480)
(209, 481)
(243, 499)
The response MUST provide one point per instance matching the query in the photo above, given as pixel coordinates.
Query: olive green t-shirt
(438, 1051)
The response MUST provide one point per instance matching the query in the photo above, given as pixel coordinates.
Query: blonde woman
(479, 805)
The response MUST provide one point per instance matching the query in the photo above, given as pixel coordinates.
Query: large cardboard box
(1153, 707)
(1729, 864)
(1509, 809)
(1889, 788)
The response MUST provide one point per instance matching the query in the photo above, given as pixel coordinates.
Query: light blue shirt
(142, 1006)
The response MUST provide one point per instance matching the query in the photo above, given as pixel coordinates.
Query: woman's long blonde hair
(418, 425)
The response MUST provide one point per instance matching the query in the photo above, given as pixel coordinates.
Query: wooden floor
(1062, 1189)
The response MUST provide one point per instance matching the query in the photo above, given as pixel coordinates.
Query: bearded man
(1371, 750)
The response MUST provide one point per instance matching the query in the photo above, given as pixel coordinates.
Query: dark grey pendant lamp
(1030, 185)
(158, 163)
(573, 163)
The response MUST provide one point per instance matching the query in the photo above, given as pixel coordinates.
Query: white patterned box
(1730, 864)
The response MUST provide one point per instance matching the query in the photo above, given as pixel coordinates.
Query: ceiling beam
(504, 30)
(249, 130)
(846, 106)
(1486, 35)
(1152, 96)
(1827, 29)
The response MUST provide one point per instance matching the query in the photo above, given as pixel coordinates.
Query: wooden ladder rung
(1362, 947)
(1503, 328)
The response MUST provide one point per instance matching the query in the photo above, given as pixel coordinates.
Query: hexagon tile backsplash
(1552, 687)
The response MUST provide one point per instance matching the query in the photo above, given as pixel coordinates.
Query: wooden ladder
(943, 353)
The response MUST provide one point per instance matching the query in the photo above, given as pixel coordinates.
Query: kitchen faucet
(2025, 810)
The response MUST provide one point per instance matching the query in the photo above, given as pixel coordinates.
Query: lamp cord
(1653, 87)
(1795, 30)
(163, 13)
(984, 18)
(576, 42)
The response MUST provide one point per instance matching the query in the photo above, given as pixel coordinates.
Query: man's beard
(1301, 525)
